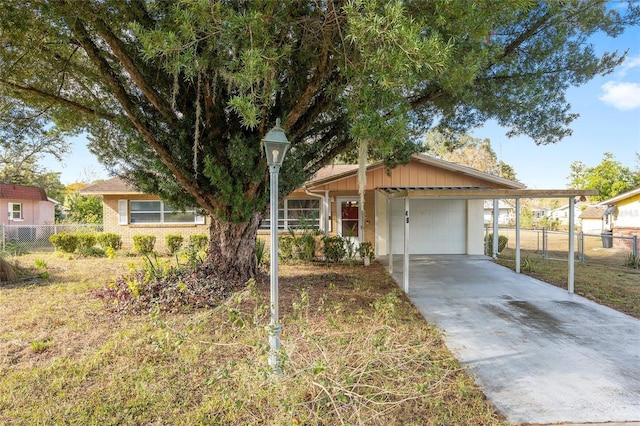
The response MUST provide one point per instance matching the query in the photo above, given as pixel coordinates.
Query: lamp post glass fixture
(275, 146)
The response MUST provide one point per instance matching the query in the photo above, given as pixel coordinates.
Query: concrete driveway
(541, 355)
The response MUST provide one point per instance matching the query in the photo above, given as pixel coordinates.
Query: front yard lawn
(355, 351)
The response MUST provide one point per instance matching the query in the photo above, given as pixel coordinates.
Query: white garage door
(435, 226)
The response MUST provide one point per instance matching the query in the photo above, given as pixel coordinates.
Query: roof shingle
(592, 212)
(19, 192)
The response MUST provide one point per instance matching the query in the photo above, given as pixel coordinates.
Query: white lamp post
(275, 146)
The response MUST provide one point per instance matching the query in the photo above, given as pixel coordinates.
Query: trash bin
(607, 239)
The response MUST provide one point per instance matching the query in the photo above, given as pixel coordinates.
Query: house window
(296, 214)
(15, 211)
(149, 211)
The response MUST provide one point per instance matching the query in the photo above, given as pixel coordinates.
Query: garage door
(435, 227)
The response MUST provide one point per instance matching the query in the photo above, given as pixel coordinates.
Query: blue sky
(609, 109)
(609, 121)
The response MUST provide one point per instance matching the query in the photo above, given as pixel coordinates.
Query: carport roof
(482, 193)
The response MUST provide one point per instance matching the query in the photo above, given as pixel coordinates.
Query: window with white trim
(297, 213)
(15, 211)
(155, 211)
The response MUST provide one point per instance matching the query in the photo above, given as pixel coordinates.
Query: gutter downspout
(325, 212)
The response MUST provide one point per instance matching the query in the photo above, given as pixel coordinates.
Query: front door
(350, 220)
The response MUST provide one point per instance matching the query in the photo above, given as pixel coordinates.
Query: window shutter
(10, 212)
(123, 216)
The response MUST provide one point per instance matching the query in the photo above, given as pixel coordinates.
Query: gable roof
(332, 171)
(592, 212)
(113, 186)
(327, 174)
(19, 192)
(620, 197)
(350, 171)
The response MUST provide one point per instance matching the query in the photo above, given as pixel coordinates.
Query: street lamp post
(275, 146)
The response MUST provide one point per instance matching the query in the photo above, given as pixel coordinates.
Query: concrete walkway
(541, 355)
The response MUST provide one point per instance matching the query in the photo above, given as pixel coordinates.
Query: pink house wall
(34, 212)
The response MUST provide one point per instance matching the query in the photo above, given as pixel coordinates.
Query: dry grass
(605, 282)
(355, 351)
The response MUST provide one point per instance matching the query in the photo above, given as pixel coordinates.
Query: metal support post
(518, 235)
(274, 326)
(572, 255)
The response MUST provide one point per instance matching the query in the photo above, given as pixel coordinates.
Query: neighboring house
(540, 212)
(622, 215)
(446, 203)
(26, 205)
(562, 213)
(591, 220)
(128, 212)
(506, 212)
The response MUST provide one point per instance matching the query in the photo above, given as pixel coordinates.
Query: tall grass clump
(260, 250)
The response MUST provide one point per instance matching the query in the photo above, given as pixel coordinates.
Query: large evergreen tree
(177, 95)
(469, 151)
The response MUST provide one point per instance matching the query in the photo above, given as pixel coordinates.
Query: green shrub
(85, 241)
(334, 248)
(174, 242)
(109, 240)
(502, 242)
(365, 250)
(298, 245)
(307, 244)
(198, 241)
(286, 247)
(67, 243)
(144, 244)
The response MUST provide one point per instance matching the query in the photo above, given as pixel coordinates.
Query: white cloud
(629, 64)
(621, 95)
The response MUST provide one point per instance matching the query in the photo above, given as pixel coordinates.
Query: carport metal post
(496, 230)
(389, 228)
(571, 259)
(518, 235)
(405, 272)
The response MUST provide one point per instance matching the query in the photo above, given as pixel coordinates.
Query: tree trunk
(232, 249)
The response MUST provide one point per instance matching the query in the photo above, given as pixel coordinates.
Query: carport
(540, 354)
(409, 194)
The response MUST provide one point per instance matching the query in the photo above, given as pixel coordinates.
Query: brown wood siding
(413, 174)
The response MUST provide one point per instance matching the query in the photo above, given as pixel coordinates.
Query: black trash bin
(607, 239)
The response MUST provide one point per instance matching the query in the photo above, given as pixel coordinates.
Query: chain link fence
(606, 248)
(19, 239)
